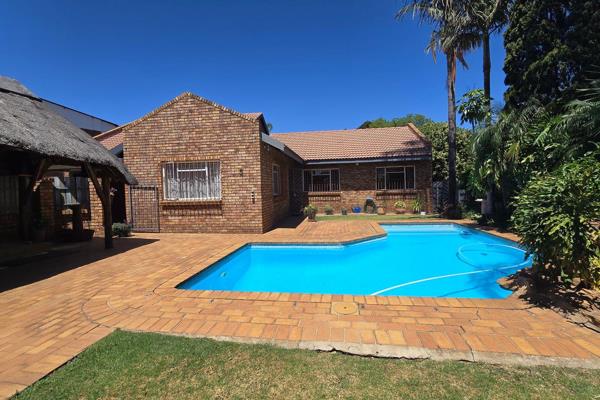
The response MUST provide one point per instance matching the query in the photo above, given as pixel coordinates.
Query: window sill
(324, 193)
(396, 191)
(190, 202)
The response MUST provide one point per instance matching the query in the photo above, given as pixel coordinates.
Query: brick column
(47, 212)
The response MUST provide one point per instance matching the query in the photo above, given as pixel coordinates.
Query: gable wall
(192, 130)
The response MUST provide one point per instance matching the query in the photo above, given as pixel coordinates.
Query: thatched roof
(26, 124)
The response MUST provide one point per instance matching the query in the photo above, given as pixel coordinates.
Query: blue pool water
(441, 260)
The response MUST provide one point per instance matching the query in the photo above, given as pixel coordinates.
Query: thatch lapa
(33, 139)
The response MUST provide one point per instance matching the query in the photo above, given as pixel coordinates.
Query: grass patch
(374, 217)
(142, 365)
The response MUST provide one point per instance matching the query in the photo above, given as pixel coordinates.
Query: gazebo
(33, 139)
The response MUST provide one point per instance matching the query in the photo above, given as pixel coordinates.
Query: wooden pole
(26, 196)
(103, 192)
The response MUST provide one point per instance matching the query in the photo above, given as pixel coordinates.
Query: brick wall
(190, 129)
(275, 207)
(357, 182)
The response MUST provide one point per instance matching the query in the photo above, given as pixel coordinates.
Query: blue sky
(307, 65)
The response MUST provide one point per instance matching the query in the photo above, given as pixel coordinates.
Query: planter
(356, 210)
(380, 211)
(344, 211)
(401, 210)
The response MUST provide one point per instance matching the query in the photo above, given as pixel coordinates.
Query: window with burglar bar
(321, 180)
(396, 178)
(196, 180)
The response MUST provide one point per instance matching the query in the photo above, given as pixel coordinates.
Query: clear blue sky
(306, 64)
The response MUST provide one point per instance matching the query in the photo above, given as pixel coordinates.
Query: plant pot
(344, 211)
(312, 216)
(401, 210)
(380, 211)
(356, 210)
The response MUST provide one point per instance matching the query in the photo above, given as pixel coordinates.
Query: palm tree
(453, 36)
(487, 17)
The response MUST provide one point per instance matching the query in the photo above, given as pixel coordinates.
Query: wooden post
(26, 196)
(103, 192)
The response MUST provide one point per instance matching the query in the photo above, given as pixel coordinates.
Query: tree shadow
(59, 259)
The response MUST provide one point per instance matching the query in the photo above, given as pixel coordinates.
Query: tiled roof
(113, 138)
(254, 115)
(351, 144)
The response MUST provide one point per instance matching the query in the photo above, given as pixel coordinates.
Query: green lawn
(374, 217)
(138, 366)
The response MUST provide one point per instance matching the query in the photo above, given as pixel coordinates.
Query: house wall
(357, 182)
(275, 207)
(190, 129)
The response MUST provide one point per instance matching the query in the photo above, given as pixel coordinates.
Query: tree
(551, 46)
(487, 17)
(451, 35)
(417, 119)
(474, 108)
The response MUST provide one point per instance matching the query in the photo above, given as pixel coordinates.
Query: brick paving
(52, 310)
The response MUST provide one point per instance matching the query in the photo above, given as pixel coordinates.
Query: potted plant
(38, 231)
(356, 209)
(310, 212)
(328, 210)
(417, 205)
(344, 211)
(380, 210)
(370, 206)
(400, 207)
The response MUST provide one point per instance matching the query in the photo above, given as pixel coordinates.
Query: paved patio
(55, 309)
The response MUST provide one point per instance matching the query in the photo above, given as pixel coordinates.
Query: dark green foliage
(556, 215)
(437, 133)
(121, 230)
(417, 119)
(551, 48)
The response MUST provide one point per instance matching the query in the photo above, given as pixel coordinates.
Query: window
(321, 180)
(276, 180)
(395, 178)
(71, 190)
(197, 180)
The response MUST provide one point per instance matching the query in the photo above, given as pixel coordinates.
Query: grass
(374, 217)
(140, 365)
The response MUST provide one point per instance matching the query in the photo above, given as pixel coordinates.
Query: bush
(328, 209)
(310, 211)
(556, 216)
(121, 230)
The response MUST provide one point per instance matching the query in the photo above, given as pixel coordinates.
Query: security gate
(143, 202)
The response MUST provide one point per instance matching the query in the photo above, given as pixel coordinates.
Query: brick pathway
(72, 301)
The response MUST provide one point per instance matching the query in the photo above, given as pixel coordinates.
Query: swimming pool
(432, 260)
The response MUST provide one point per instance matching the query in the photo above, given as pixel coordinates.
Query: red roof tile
(351, 144)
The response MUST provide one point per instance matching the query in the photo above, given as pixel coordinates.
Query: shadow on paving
(61, 259)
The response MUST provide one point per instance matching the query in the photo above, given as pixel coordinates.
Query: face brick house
(202, 167)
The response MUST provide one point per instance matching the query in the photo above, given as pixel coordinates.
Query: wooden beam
(103, 192)
(26, 196)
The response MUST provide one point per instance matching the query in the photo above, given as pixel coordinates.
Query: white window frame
(276, 180)
(212, 193)
(405, 180)
(312, 171)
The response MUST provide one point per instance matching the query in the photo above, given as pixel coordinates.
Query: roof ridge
(341, 130)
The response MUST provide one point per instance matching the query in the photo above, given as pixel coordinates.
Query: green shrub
(556, 216)
(328, 209)
(121, 230)
(310, 211)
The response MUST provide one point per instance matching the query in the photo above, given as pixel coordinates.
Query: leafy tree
(437, 133)
(550, 48)
(451, 35)
(417, 119)
(556, 217)
(474, 108)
